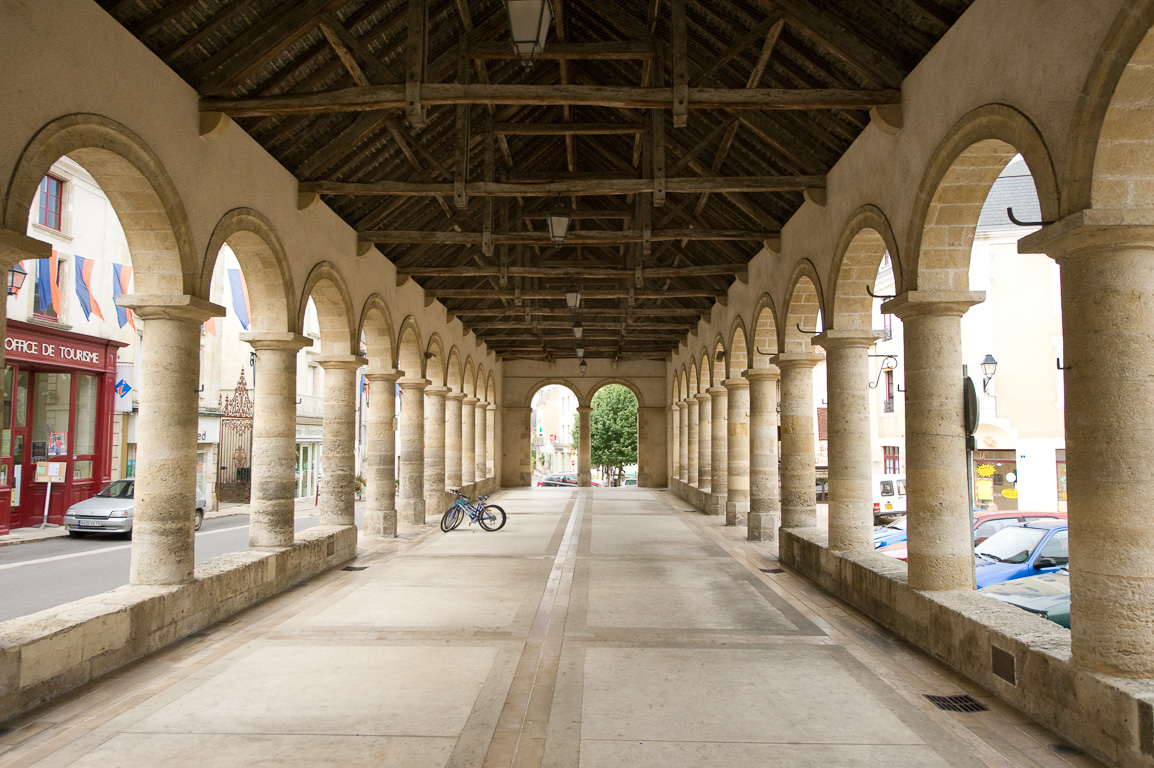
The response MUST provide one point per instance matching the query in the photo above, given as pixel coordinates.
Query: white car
(110, 511)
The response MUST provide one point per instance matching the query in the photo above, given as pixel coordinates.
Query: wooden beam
(558, 294)
(704, 270)
(488, 50)
(583, 312)
(461, 159)
(576, 237)
(366, 98)
(681, 94)
(563, 129)
(332, 29)
(576, 187)
(418, 31)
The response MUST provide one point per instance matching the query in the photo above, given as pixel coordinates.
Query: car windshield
(1011, 545)
(121, 489)
(898, 525)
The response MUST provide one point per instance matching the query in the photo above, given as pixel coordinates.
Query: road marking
(103, 550)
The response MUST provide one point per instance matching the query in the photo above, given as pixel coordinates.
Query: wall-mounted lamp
(529, 22)
(989, 367)
(16, 277)
(572, 298)
(584, 366)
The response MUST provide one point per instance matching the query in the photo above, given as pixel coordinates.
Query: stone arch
(803, 308)
(435, 361)
(410, 350)
(623, 382)
(705, 371)
(264, 262)
(376, 331)
(491, 389)
(469, 378)
(720, 361)
(453, 371)
(693, 380)
(140, 190)
(479, 384)
(330, 294)
(865, 240)
(683, 379)
(737, 360)
(1119, 62)
(764, 345)
(954, 189)
(551, 382)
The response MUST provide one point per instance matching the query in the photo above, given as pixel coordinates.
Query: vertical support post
(719, 450)
(380, 472)
(418, 32)
(798, 449)
(584, 447)
(339, 438)
(737, 450)
(453, 439)
(680, 65)
(704, 440)
(461, 159)
(683, 442)
(435, 449)
(411, 504)
(468, 441)
(764, 484)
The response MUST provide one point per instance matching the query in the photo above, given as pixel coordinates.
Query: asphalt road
(45, 574)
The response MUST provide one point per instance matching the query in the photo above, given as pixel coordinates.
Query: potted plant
(359, 486)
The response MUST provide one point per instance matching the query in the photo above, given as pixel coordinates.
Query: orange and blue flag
(46, 277)
(121, 275)
(84, 288)
(240, 302)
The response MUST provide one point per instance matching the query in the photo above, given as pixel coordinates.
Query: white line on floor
(102, 551)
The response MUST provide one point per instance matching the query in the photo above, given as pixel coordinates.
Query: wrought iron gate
(234, 482)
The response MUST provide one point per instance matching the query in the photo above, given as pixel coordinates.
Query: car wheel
(198, 519)
(78, 534)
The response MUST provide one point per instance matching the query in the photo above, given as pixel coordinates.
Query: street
(45, 574)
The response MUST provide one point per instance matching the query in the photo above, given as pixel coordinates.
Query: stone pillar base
(736, 512)
(762, 526)
(380, 524)
(715, 504)
(411, 511)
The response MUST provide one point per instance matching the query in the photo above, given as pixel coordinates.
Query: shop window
(887, 327)
(888, 403)
(86, 399)
(51, 207)
(891, 455)
(6, 441)
(82, 470)
(50, 415)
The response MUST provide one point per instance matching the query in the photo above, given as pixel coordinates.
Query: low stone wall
(46, 654)
(488, 486)
(1023, 659)
(691, 494)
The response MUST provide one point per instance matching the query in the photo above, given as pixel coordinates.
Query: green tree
(613, 428)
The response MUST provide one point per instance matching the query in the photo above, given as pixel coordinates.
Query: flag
(46, 275)
(240, 302)
(54, 285)
(84, 288)
(210, 326)
(121, 275)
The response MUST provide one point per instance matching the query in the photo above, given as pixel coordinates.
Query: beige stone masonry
(584, 446)
(411, 501)
(469, 421)
(380, 459)
(338, 491)
(704, 441)
(694, 442)
(683, 442)
(453, 439)
(798, 476)
(764, 484)
(737, 453)
(718, 450)
(435, 450)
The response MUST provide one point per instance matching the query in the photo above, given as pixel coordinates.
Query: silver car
(110, 511)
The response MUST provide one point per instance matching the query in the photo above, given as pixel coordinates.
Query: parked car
(110, 511)
(629, 481)
(1026, 549)
(894, 533)
(562, 479)
(1046, 595)
(889, 496)
(984, 526)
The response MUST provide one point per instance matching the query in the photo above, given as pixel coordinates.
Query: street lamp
(578, 330)
(559, 219)
(584, 366)
(989, 366)
(529, 22)
(16, 277)
(572, 298)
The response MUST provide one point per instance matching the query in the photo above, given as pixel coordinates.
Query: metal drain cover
(1065, 749)
(772, 570)
(354, 567)
(963, 703)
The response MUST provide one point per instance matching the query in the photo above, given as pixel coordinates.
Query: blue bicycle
(489, 516)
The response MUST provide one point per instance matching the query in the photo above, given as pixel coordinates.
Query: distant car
(889, 496)
(1026, 549)
(1046, 595)
(110, 511)
(894, 533)
(552, 481)
(984, 526)
(899, 551)
(630, 481)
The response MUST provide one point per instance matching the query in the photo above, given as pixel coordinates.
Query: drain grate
(354, 567)
(1065, 749)
(772, 570)
(963, 703)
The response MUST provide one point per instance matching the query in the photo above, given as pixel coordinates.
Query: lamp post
(529, 22)
(16, 277)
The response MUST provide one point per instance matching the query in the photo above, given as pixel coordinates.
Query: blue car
(894, 533)
(1022, 550)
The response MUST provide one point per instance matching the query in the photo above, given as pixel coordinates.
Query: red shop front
(58, 406)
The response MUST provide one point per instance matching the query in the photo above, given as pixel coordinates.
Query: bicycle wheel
(452, 518)
(493, 518)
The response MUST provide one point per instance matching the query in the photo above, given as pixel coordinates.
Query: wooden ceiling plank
(579, 237)
(614, 50)
(331, 28)
(336, 148)
(743, 44)
(210, 27)
(575, 187)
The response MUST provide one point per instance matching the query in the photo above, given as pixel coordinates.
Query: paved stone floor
(599, 628)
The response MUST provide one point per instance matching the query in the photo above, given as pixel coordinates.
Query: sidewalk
(304, 508)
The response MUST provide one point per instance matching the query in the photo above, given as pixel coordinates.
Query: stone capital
(15, 246)
(470, 401)
(493, 407)
(738, 383)
(341, 362)
(455, 396)
(382, 376)
(285, 341)
(718, 392)
(772, 373)
(940, 303)
(192, 309)
(797, 359)
(584, 410)
(839, 339)
(1091, 230)
(703, 397)
(437, 391)
(416, 385)
(690, 401)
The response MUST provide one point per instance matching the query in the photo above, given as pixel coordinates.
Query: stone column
(850, 462)
(380, 460)
(469, 440)
(516, 471)
(683, 442)
(273, 460)
(162, 535)
(764, 488)
(694, 441)
(705, 441)
(674, 431)
(453, 439)
(798, 473)
(491, 442)
(584, 446)
(338, 468)
(737, 453)
(481, 429)
(718, 450)
(411, 504)
(652, 447)
(435, 449)
(1107, 322)
(941, 536)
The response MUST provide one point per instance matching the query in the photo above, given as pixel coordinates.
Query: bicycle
(489, 516)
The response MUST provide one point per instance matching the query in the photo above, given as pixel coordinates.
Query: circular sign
(970, 400)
